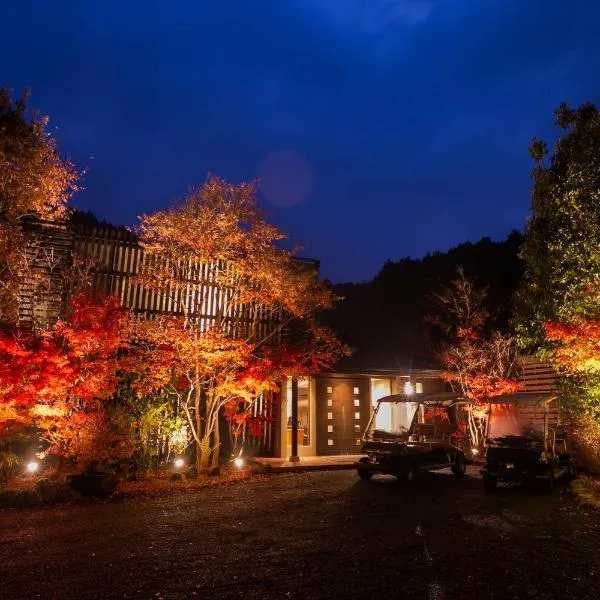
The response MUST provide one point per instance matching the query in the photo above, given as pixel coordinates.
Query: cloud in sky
(370, 16)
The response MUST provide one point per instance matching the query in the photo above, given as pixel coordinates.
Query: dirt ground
(308, 535)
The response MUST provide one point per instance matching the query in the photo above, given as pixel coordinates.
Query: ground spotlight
(32, 466)
(179, 462)
(239, 462)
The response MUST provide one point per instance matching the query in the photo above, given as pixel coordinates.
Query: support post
(294, 455)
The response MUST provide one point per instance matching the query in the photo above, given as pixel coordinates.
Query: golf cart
(408, 434)
(526, 442)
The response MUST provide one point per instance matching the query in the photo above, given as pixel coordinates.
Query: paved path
(308, 535)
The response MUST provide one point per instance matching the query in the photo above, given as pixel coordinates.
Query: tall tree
(217, 262)
(558, 301)
(35, 181)
(477, 361)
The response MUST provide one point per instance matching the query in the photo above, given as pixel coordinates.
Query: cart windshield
(392, 419)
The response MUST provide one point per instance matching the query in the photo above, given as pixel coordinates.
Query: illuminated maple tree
(479, 364)
(216, 244)
(57, 380)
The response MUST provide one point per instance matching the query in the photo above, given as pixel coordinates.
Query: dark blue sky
(401, 126)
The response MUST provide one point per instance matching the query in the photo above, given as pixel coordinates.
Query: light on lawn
(239, 462)
(32, 466)
(179, 462)
(409, 390)
(475, 450)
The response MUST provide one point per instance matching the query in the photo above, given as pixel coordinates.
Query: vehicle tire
(548, 484)
(363, 473)
(459, 468)
(490, 483)
(411, 472)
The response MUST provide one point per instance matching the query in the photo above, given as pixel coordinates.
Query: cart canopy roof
(442, 399)
(524, 399)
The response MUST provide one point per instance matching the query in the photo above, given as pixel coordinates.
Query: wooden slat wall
(118, 258)
(537, 377)
(42, 294)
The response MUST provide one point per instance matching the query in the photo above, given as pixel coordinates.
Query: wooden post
(294, 455)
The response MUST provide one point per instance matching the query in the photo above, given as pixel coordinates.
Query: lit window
(329, 402)
(330, 416)
(356, 391)
(419, 388)
(357, 428)
(330, 442)
(357, 416)
(356, 402)
(358, 442)
(329, 428)
(330, 390)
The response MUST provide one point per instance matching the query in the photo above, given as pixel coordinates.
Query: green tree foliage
(562, 239)
(562, 247)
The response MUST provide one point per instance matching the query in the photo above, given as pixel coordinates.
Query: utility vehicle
(526, 442)
(409, 434)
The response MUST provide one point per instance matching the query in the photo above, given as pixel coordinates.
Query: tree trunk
(216, 444)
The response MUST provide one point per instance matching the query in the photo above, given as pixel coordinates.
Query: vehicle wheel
(490, 483)
(411, 472)
(459, 468)
(548, 483)
(363, 473)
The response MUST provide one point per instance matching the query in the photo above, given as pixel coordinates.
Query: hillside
(385, 320)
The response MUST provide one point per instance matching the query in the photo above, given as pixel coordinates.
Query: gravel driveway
(309, 535)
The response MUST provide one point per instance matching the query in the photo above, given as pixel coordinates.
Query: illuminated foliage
(478, 363)
(230, 354)
(59, 379)
(34, 182)
(558, 309)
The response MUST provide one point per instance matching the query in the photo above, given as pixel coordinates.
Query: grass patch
(587, 491)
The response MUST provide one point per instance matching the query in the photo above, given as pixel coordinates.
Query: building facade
(321, 415)
(333, 409)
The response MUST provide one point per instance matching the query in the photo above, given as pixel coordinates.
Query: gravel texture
(308, 535)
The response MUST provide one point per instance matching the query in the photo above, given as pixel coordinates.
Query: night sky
(380, 128)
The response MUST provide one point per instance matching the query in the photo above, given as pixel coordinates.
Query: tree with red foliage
(57, 380)
(577, 345)
(479, 364)
(233, 354)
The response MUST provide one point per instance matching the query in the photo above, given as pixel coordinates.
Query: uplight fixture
(32, 466)
(179, 462)
(239, 462)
